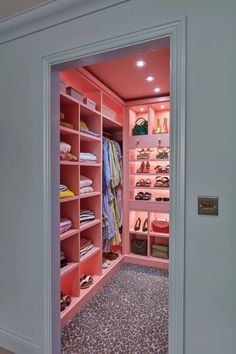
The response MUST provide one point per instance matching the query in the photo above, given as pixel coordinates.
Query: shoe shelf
(138, 232)
(68, 268)
(69, 233)
(151, 145)
(149, 160)
(155, 188)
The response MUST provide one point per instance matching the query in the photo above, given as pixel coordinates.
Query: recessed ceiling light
(141, 109)
(162, 107)
(157, 89)
(149, 78)
(140, 63)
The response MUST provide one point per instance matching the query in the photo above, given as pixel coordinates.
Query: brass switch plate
(207, 205)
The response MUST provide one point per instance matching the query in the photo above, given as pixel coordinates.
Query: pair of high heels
(144, 153)
(137, 225)
(161, 129)
(144, 168)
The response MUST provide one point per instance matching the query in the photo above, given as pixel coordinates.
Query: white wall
(12, 7)
(210, 294)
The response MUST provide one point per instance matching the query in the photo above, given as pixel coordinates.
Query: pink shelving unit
(151, 110)
(76, 111)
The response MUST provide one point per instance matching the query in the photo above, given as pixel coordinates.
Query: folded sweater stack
(85, 246)
(65, 152)
(87, 157)
(65, 192)
(65, 225)
(85, 185)
(86, 215)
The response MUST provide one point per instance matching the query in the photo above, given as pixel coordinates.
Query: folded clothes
(85, 250)
(63, 187)
(66, 194)
(87, 156)
(84, 181)
(84, 242)
(85, 246)
(65, 225)
(86, 215)
(64, 147)
(86, 190)
(89, 132)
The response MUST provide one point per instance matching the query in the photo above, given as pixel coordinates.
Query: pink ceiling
(128, 81)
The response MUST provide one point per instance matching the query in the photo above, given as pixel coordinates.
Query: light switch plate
(207, 205)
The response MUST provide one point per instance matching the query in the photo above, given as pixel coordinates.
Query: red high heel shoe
(147, 168)
(141, 168)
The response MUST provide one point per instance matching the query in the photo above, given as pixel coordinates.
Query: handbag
(139, 247)
(160, 251)
(161, 226)
(140, 127)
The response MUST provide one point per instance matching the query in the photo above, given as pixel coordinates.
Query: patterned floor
(129, 315)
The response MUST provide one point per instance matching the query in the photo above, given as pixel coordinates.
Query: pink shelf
(112, 265)
(150, 160)
(86, 111)
(88, 137)
(70, 199)
(89, 224)
(64, 98)
(89, 254)
(68, 131)
(88, 195)
(68, 234)
(157, 234)
(90, 164)
(162, 260)
(69, 163)
(68, 268)
(147, 260)
(153, 188)
(132, 231)
(68, 313)
(149, 174)
(110, 124)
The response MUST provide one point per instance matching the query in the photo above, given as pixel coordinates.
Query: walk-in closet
(114, 161)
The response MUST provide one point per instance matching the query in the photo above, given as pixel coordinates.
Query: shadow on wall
(4, 351)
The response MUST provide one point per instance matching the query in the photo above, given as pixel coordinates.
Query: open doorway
(136, 149)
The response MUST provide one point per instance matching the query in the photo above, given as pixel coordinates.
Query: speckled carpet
(129, 315)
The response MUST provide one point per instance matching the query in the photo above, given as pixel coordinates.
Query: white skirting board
(17, 344)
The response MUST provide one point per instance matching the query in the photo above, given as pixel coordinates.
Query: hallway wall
(210, 293)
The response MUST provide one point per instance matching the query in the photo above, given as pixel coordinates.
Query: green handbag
(139, 247)
(160, 251)
(140, 127)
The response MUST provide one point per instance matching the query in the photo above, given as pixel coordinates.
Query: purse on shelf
(140, 127)
(161, 226)
(139, 247)
(160, 251)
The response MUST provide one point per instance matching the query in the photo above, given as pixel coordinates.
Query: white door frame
(176, 30)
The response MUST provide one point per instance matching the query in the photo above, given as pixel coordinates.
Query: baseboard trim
(18, 344)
